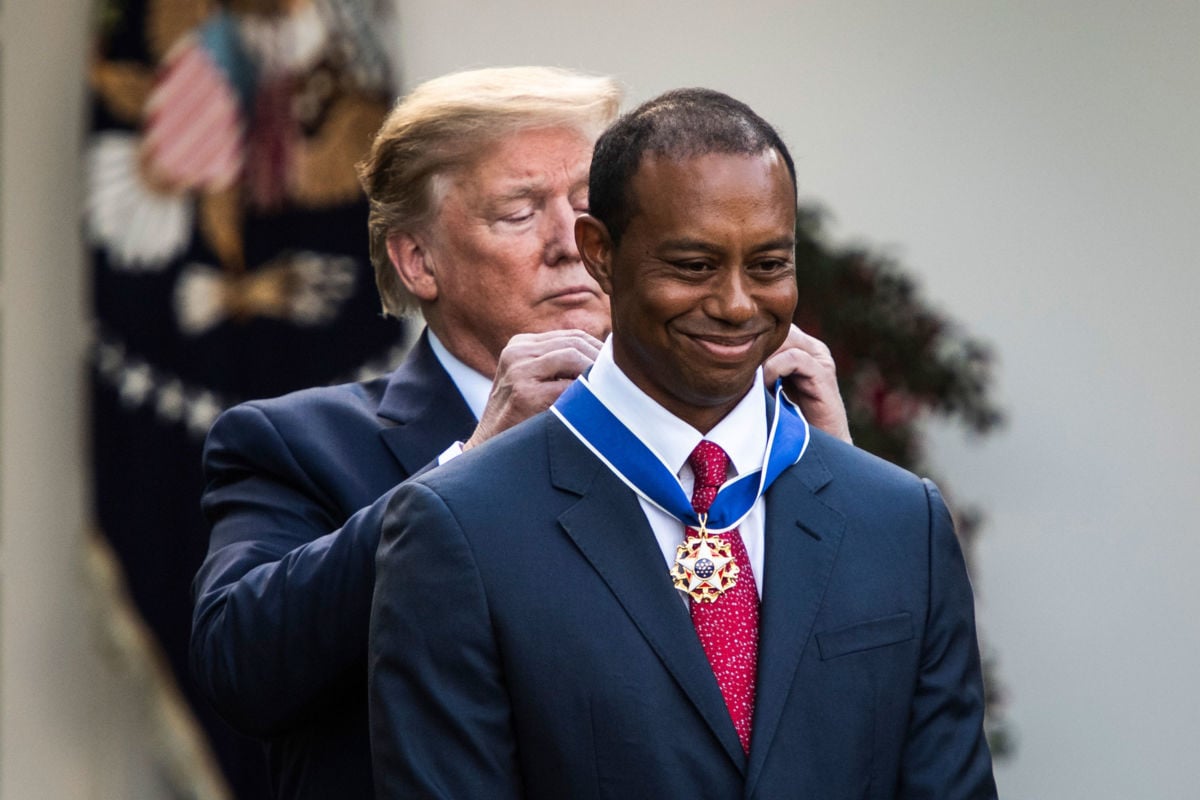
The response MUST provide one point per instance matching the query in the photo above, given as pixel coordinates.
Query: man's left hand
(810, 380)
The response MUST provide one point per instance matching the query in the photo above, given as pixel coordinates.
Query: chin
(595, 322)
(600, 328)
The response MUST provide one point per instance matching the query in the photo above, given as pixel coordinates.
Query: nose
(559, 232)
(731, 300)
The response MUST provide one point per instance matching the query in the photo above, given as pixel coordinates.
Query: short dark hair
(680, 124)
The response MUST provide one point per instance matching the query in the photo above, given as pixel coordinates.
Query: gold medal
(704, 566)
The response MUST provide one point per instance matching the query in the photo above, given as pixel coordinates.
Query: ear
(410, 258)
(596, 249)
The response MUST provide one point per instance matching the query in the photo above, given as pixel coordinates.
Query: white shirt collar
(475, 387)
(742, 433)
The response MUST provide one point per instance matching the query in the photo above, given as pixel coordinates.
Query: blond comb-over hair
(444, 124)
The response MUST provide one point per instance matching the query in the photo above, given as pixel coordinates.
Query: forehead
(542, 156)
(666, 191)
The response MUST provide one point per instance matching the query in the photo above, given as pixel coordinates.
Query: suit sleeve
(283, 598)
(441, 721)
(946, 754)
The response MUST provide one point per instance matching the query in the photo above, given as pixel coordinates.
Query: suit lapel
(802, 539)
(426, 408)
(610, 530)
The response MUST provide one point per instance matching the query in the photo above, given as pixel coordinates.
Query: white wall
(45, 708)
(1038, 165)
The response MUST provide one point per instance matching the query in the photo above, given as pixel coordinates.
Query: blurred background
(1035, 166)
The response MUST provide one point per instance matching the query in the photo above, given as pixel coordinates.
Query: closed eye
(519, 217)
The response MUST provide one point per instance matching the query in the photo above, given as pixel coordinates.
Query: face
(703, 283)
(502, 249)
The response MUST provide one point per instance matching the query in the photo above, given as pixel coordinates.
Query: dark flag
(229, 255)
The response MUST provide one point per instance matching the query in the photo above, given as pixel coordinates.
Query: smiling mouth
(726, 348)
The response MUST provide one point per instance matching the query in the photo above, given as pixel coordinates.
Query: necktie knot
(709, 464)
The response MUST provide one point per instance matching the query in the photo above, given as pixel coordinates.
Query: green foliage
(896, 358)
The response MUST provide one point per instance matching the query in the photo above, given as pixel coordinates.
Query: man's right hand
(533, 370)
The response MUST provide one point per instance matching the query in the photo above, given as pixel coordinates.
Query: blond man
(475, 182)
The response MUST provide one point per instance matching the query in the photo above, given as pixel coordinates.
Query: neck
(705, 419)
(702, 413)
(465, 348)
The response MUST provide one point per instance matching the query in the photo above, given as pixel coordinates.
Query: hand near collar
(810, 380)
(533, 370)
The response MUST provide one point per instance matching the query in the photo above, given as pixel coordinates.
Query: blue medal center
(704, 568)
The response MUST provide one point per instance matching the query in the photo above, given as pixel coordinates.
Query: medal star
(703, 553)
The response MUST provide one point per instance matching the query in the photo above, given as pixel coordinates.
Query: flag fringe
(179, 743)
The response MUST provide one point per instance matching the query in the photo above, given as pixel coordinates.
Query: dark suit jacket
(279, 634)
(526, 640)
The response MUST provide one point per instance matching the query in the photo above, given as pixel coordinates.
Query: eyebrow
(529, 189)
(520, 192)
(782, 243)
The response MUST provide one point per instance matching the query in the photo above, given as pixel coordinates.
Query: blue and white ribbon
(643, 471)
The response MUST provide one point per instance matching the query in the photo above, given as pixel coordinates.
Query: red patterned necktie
(728, 626)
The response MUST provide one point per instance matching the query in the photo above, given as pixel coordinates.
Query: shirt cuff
(450, 453)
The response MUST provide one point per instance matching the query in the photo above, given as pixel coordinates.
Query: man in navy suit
(475, 181)
(554, 617)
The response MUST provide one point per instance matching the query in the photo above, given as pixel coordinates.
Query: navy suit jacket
(294, 488)
(526, 640)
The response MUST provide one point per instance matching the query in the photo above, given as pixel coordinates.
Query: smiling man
(475, 181)
(672, 586)
(704, 277)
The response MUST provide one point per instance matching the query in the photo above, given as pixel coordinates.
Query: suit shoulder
(362, 394)
(306, 406)
(508, 459)
(334, 424)
(845, 461)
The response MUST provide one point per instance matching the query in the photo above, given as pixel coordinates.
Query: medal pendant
(704, 566)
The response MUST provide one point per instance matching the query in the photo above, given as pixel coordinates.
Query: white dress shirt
(473, 386)
(742, 434)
